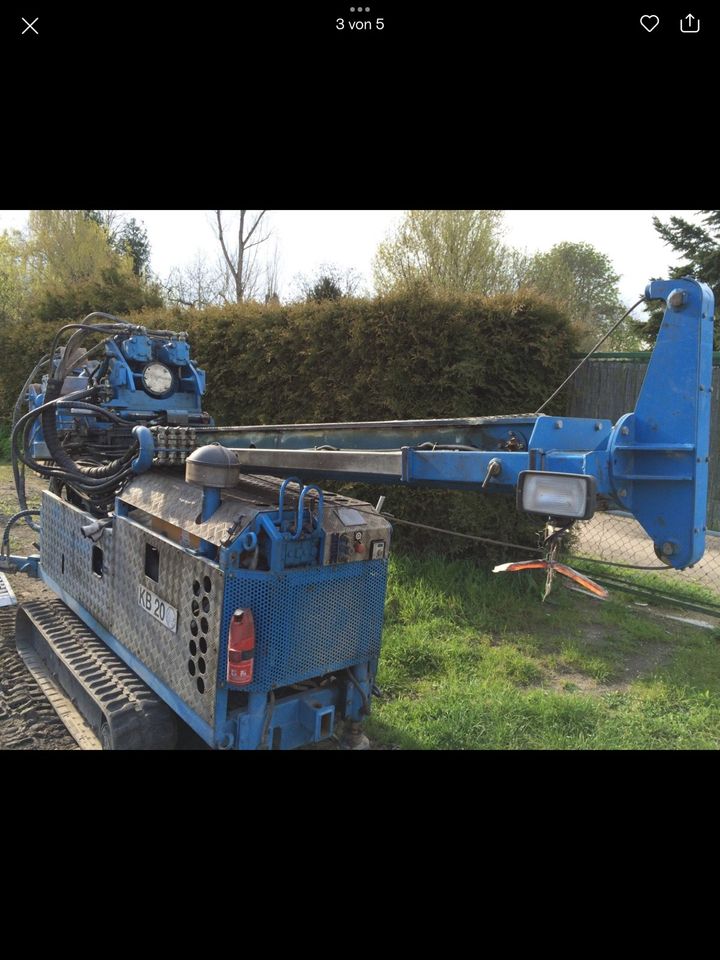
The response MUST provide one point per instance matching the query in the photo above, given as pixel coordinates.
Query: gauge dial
(158, 379)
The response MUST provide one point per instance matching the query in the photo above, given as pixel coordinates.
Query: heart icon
(650, 21)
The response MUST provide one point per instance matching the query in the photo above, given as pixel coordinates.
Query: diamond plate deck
(178, 503)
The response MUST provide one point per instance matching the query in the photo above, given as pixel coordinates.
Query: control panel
(354, 532)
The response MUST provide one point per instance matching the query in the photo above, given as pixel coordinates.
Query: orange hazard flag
(585, 582)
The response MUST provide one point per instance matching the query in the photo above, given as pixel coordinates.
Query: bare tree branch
(239, 285)
(272, 273)
(197, 284)
(222, 241)
(178, 300)
(241, 266)
(252, 229)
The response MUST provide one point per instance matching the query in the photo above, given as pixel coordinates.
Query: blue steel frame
(301, 715)
(304, 717)
(652, 463)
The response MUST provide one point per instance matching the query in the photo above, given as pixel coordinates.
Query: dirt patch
(597, 638)
(570, 681)
(642, 663)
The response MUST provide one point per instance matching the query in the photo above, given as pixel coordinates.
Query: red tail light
(241, 648)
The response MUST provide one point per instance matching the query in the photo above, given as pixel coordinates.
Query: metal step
(7, 597)
(98, 698)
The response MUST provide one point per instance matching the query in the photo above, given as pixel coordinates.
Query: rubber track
(27, 720)
(138, 718)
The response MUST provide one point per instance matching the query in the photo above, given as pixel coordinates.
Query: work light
(568, 496)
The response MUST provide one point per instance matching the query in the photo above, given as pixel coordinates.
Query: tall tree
(124, 236)
(111, 222)
(446, 250)
(13, 276)
(66, 246)
(272, 277)
(196, 285)
(133, 240)
(329, 282)
(241, 257)
(75, 270)
(583, 281)
(699, 245)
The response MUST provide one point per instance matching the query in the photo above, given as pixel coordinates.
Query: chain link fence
(619, 538)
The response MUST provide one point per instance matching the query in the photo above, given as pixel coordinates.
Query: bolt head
(625, 431)
(677, 299)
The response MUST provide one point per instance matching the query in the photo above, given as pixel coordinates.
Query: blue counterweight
(658, 456)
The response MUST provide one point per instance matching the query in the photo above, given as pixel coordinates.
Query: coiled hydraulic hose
(58, 452)
(95, 482)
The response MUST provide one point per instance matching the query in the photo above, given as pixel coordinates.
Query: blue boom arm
(652, 462)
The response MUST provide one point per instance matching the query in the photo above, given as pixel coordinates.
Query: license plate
(162, 611)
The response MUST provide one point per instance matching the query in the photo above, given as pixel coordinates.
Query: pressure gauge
(158, 379)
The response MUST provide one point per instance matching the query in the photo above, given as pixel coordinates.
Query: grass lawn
(474, 660)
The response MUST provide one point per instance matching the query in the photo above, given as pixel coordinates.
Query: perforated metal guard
(308, 623)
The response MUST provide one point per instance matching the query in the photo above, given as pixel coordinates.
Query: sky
(349, 238)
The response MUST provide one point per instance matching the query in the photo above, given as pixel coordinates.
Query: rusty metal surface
(178, 503)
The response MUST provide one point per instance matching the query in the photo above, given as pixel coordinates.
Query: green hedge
(21, 348)
(397, 357)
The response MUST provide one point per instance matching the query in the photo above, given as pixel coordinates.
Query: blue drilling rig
(201, 572)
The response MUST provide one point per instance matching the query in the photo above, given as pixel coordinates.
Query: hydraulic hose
(19, 469)
(22, 515)
(79, 473)
(57, 451)
(92, 481)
